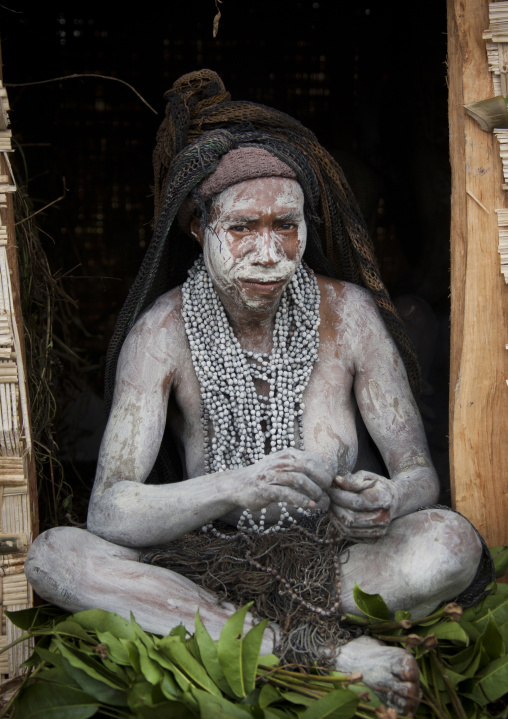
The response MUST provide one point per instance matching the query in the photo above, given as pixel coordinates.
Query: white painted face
(255, 241)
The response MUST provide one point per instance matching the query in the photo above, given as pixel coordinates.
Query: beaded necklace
(239, 425)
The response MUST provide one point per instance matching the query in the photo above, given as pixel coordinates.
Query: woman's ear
(195, 229)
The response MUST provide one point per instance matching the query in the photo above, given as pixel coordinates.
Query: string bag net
(292, 578)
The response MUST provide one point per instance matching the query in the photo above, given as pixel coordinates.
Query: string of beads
(238, 423)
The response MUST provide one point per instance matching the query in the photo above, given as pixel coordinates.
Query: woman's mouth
(263, 286)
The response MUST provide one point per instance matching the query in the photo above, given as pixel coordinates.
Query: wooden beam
(479, 294)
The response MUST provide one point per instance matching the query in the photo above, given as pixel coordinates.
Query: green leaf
(373, 605)
(298, 699)
(454, 678)
(503, 629)
(149, 668)
(57, 675)
(497, 605)
(167, 710)
(492, 639)
(42, 700)
(133, 653)
(250, 654)
(148, 640)
(147, 701)
(460, 661)
(497, 589)
(91, 667)
(478, 697)
(179, 676)
(98, 620)
(470, 628)
(218, 707)
(36, 617)
(229, 651)
(401, 615)
(179, 631)
(268, 695)
(281, 713)
(192, 646)
(46, 655)
(373, 702)
(500, 557)
(116, 650)
(177, 651)
(169, 687)
(494, 678)
(69, 628)
(97, 689)
(448, 631)
(339, 704)
(208, 654)
(161, 659)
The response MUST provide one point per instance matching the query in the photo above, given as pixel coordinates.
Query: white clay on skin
(434, 553)
(261, 252)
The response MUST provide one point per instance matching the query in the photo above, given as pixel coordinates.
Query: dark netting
(292, 578)
(201, 125)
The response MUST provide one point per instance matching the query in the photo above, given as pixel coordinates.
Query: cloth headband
(243, 163)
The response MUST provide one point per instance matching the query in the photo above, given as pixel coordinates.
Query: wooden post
(479, 294)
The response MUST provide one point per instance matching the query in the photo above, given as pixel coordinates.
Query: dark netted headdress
(201, 125)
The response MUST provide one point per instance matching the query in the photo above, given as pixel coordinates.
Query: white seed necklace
(239, 425)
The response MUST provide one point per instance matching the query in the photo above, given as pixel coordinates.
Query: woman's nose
(267, 252)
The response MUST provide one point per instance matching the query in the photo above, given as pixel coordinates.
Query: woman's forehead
(260, 195)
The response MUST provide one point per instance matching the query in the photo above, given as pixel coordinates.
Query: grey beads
(240, 425)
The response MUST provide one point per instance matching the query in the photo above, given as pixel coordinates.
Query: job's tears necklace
(238, 423)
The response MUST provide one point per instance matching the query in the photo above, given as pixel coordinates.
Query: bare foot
(391, 672)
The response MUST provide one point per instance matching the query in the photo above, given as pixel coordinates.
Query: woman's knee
(458, 545)
(50, 560)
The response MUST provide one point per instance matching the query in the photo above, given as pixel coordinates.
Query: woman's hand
(298, 478)
(363, 504)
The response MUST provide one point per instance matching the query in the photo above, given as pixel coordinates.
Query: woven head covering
(244, 163)
(202, 125)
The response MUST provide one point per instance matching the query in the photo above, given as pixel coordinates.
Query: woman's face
(255, 241)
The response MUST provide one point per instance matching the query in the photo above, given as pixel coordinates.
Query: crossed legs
(424, 559)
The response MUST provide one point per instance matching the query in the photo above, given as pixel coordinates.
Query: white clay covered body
(254, 243)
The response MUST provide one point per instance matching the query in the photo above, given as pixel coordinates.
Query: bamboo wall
(479, 293)
(18, 513)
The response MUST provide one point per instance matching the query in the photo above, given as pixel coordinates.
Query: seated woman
(253, 372)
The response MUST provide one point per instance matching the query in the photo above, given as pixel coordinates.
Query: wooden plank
(479, 315)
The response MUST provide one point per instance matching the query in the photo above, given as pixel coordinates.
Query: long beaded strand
(232, 412)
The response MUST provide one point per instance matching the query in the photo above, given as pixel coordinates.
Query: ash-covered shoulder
(167, 309)
(159, 331)
(351, 321)
(345, 299)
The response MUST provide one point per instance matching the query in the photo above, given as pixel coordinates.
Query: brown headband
(243, 163)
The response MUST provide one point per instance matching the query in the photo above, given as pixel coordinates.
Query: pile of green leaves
(95, 663)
